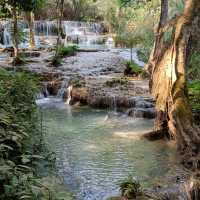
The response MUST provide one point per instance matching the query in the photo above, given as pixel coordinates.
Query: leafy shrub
(194, 66)
(194, 94)
(132, 69)
(130, 188)
(67, 51)
(22, 149)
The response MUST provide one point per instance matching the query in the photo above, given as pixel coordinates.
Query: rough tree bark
(168, 84)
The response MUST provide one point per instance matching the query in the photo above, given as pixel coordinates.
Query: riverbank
(96, 79)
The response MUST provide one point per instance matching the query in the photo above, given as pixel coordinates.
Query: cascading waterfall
(69, 96)
(62, 89)
(82, 33)
(113, 103)
(6, 33)
(45, 28)
(7, 38)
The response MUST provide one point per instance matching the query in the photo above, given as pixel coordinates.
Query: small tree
(129, 40)
(13, 6)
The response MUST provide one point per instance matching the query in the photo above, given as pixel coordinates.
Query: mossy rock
(116, 81)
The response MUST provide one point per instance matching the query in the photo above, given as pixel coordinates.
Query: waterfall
(45, 28)
(62, 89)
(6, 38)
(85, 34)
(113, 103)
(69, 96)
(46, 92)
(82, 33)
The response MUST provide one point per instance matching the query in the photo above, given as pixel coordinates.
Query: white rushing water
(83, 33)
(69, 96)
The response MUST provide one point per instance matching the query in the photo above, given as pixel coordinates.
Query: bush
(130, 188)
(67, 51)
(22, 149)
(194, 94)
(194, 66)
(133, 69)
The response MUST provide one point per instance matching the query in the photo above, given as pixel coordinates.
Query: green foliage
(194, 66)
(176, 7)
(134, 30)
(18, 128)
(194, 94)
(133, 69)
(56, 61)
(67, 51)
(143, 54)
(22, 150)
(130, 188)
(30, 5)
(63, 51)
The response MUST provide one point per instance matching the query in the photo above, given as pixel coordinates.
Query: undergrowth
(22, 148)
(194, 94)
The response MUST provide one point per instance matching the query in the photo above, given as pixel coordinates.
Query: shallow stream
(96, 149)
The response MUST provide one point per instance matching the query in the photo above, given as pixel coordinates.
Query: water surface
(92, 154)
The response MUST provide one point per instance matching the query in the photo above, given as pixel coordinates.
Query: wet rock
(79, 95)
(143, 104)
(53, 87)
(148, 113)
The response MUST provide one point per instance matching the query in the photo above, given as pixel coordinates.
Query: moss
(116, 81)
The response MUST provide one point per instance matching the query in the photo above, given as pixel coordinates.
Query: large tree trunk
(169, 86)
(15, 32)
(32, 32)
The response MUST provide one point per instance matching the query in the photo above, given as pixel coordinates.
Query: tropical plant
(22, 148)
(130, 188)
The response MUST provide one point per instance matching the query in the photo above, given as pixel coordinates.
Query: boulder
(79, 95)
